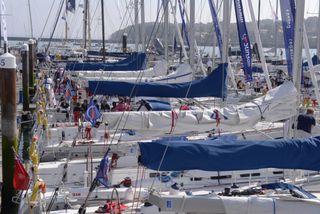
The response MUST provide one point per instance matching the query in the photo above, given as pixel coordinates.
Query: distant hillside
(204, 32)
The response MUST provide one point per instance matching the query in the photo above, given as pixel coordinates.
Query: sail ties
(174, 118)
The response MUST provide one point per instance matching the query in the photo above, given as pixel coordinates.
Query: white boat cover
(182, 74)
(276, 204)
(278, 104)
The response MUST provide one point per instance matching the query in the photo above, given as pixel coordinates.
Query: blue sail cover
(136, 61)
(214, 85)
(225, 155)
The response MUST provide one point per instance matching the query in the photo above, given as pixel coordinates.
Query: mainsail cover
(278, 104)
(136, 61)
(214, 85)
(225, 155)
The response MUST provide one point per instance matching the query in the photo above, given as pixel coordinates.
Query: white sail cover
(159, 69)
(278, 104)
(182, 74)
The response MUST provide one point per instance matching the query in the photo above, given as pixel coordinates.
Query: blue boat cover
(214, 85)
(136, 61)
(157, 105)
(225, 155)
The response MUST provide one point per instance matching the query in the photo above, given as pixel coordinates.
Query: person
(122, 106)
(104, 105)
(76, 112)
(240, 85)
(279, 77)
(65, 108)
(306, 121)
(209, 66)
(84, 105)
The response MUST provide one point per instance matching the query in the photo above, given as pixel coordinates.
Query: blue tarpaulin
(225, 155)
(214, 85)
(136, 61)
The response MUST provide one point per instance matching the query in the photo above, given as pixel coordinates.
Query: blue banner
(215, 22)
(287, 8)
(184, 26)
(243, 40)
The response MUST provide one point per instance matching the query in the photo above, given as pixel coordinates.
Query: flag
(68, 91)
(243, 40)
(92, 114)
(71, 6)
(102, 175)
(3, 21)
(21, 178)
(287, 11)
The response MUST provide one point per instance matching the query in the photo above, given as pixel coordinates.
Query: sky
(116, 15)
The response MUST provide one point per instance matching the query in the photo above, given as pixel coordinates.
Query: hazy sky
(116, 15)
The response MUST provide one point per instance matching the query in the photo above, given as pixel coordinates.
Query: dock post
(25, 76)
(31, 65)
(9, 130)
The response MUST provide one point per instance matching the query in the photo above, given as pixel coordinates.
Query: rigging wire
(55, 25)
(46, 22)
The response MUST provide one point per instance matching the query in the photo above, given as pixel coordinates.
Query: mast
(142, 26)
(136, 24)
(89, 24)
(318, 33)
(179, 33)
(259, 44)
(66, 24)
(226, 31)
(166, 28)
(103, 33)
(259, 8)
(297, 56)
(30, 17)
(192, 33)
(85, 15)
(276, 29)
(310, 64)
(298, 35)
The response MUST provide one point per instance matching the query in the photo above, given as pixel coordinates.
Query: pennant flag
(71, 6)
(102, 175)
(3, 21)
(243, 40)
(21, 178)
(215, 22)
(68, 91)
(287, 11)
(92, 114)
